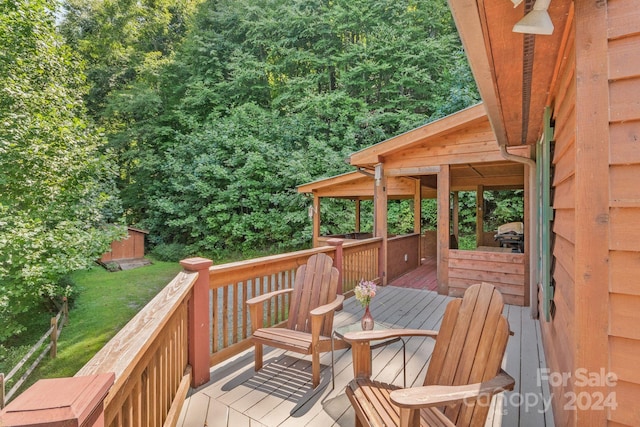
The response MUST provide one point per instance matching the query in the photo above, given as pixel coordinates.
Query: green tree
(56, 189)
(248, 91)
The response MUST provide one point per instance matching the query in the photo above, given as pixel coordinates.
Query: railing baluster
(225, 316)
(245, 310)
(216, 321)
(236, 288)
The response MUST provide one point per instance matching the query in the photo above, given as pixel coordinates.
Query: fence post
(338, 260)
(65, 310)
(54, 338)
(198, 333)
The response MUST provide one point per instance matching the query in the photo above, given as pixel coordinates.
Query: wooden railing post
(60, 402)
(198, 352)
(338, 260)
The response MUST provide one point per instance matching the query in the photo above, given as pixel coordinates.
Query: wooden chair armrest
(267, 296)
(327, 308)
(360, 336)
(438, 395)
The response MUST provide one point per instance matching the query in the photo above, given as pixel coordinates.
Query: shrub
(171, 252)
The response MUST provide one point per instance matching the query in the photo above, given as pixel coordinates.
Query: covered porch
(281, 393)
(437, 161)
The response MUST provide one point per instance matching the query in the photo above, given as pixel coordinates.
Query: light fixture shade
(535, 22)
(516, 3)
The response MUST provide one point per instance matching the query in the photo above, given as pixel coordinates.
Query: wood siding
(583, 318)
(624, 230)
(504, 270)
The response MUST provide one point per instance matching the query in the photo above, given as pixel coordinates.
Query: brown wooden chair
(314, 298)
(463, 374)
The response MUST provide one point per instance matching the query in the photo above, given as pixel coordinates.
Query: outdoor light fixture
(537, 21)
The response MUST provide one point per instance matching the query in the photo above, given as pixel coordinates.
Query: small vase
(367, 320)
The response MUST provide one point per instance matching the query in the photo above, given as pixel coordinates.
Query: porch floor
(281, 393)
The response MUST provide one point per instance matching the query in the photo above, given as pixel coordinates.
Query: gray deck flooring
(281, 394)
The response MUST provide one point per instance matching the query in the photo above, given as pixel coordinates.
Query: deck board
(281, 393)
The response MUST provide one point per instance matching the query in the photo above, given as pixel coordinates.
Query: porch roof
(459, 122)
(463, 140)
(515, 73)
(358, 186)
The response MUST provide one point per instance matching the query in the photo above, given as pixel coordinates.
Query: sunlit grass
(106, 302)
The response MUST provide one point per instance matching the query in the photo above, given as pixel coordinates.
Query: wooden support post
(417, 215)
(380, 219)
(338, 260)
(456, 215)
(54, 338)
(357, 226)
(316, 219)
(59, 402)
(417, 208)
(594, 316)
(444, 188)
(480, 215)
(198, 334)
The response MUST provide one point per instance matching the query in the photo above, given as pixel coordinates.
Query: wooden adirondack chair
(313, 301)
(463, 374)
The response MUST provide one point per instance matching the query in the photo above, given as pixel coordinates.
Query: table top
(340, 331)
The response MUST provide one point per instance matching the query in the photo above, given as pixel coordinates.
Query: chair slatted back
(469, 349)
(316, 284)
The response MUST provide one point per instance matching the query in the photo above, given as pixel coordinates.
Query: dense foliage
(56, 184)
(218, 109)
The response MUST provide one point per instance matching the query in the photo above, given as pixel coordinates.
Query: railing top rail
(404, 236)
(121, 354)
(363, 242)
(271, 259)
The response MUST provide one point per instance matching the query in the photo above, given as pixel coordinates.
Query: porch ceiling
(514, 72)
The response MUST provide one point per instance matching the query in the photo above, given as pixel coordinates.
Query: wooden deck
(423, 277)
(281, 393)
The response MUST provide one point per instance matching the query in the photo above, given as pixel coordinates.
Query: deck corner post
(198, 336)
(338, 260)
(60, 402)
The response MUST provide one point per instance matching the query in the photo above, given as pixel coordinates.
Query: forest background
(197, 119)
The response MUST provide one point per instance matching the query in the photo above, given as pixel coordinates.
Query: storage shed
(129, 248)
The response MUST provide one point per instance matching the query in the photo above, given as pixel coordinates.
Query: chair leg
(258, 357)
(315, 368)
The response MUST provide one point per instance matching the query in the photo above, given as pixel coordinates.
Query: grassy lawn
(106, 302)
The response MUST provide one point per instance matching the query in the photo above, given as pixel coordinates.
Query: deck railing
(149, 358)
(197, 320)
(360, 262)
(232, 284)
